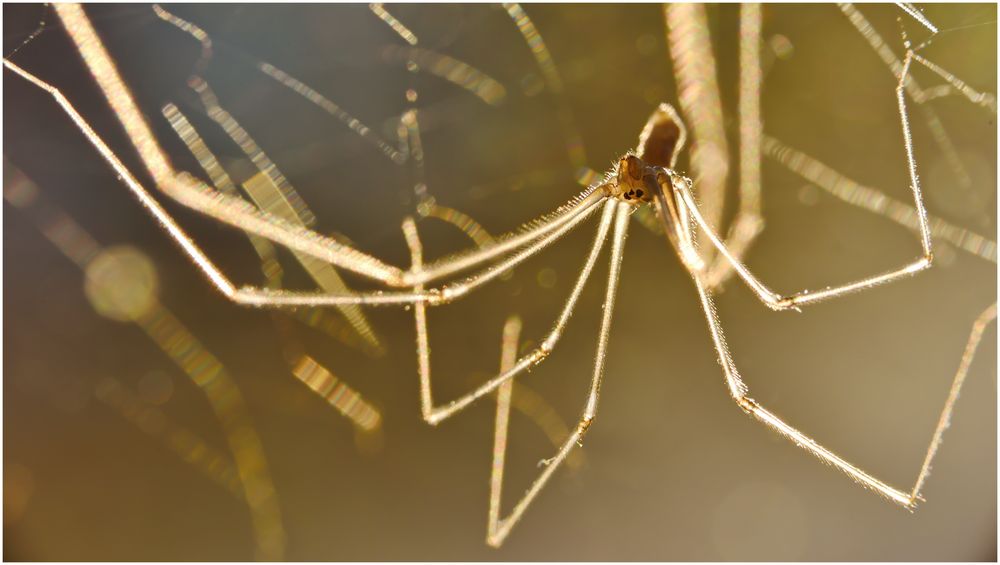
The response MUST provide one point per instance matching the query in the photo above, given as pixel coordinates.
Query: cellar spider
(645, 177)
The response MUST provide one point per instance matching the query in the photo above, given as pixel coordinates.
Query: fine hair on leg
(435, 414)
(782, 302)
(498, 528)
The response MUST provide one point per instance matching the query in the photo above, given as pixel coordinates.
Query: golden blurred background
(119, 392)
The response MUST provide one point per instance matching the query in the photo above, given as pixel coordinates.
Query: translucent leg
(245, 216)
(194, 194)
(779, 302)
(508, 356)
(582, 204)
(433, 297)
(434, 414)
(739, 392)
(498, 529)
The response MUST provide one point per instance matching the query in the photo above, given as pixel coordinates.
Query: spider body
(648, 177)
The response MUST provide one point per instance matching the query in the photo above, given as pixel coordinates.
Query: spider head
(635, 180)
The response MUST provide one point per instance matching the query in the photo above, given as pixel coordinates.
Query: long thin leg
(434, 414)
(246, 295)
(437, 296)
(233, 210)
(248, 218)
(582, 204)
(779, 302)
(182, 187)
(739, 391)
(434, 297)
(695, 70)
(498, 529)
(508, 356)
(194, 194)
(975, 336)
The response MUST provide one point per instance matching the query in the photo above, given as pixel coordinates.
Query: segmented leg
(498, 528)
(740, 393)
(194, 194)
(434, 414)
(242, 214)
(779, 302)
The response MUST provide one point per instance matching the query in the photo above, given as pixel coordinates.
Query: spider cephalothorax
(635, 181)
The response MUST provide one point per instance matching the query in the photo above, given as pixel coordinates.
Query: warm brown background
(674, 471)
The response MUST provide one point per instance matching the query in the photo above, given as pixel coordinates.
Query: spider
(645, 177)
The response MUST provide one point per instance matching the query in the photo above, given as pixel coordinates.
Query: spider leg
(434, 297)
(582, 205)
(739, 391)
(237, 212)
(508, 356)
(267, 168)
(779, 302)
(975, 336)
(245, 216)
(245, 295)
(498, 528)
(242, 214)
(234, 211)
(229, 209)
(435, 414)
(699, 98)
(250, 219)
